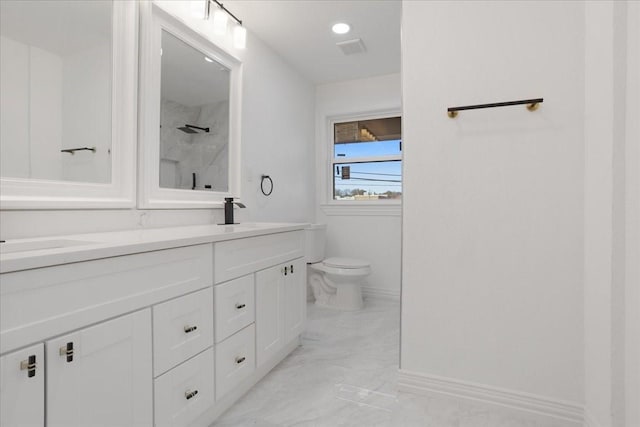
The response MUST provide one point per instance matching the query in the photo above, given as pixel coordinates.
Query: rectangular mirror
(194, 119)
(189, 126)
(55, 90)
(67, 103)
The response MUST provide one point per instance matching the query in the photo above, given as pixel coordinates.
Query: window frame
(332, 161)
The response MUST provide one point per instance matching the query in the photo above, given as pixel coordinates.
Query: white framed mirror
(189, 155)
(68, 104)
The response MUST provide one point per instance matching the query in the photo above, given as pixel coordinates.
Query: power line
(370, 185)
(376, 173)
(372, 179)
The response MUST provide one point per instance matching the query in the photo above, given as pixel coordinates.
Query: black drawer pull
(239, 360)
(240, 306)
(291, 268)
(67, 350)
(190, 394)
(29, 365)
(188, 329)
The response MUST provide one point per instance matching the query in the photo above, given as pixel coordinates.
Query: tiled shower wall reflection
(205, 154)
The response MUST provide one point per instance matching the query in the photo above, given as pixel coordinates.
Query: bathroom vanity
(147, 327)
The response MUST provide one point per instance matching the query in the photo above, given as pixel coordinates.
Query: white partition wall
(493, 210)
(520, 270)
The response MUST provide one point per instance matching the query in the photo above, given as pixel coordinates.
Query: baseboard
(589, 419)
(369, 291)
(424, 384)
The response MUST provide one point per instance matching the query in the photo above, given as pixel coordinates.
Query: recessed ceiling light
(341, 28)
(206, 58)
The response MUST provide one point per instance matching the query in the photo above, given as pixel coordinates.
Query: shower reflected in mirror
(193, 129)
(194, 119)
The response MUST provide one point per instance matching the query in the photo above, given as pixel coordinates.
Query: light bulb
(220, 22)
(240, 37)
(340, 28)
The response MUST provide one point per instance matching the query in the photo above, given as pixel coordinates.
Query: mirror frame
(154, 20)
(25, 193)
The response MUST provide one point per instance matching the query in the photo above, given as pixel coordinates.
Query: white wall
(31, 111)
(612, 325)
(366, 233)
(493, 208)
(14, 108)
(51, 102)
(632, 243)
(45, 113)
(86, 106)
(277, 127)
(599, 127)
(277, 139)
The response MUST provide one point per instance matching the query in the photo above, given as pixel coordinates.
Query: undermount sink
(13, 247)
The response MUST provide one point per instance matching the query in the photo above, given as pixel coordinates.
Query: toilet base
(345, 296)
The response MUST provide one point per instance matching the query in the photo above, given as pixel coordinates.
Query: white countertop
(84, 247)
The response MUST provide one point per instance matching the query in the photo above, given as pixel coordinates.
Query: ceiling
(300, 31)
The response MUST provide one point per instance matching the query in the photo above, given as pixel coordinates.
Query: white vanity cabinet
(280, 307)
(108, 362)
(165, 337)
(234, 306)
(235, 360)
(186, 391)
(22, 387)
(236, 258)
(295, 298)
(101, 375)
(183, 358)
(182, 328)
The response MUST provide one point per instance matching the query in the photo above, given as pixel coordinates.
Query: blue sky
(375, 177)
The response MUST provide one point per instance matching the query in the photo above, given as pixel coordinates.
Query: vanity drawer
(235, 258)
(182, 328)
(185, 392)
(235, 360)
(234, 306)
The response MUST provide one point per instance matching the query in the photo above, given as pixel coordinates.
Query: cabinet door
(295, 296)
(269, 313)
(101, 375)
(22, 388)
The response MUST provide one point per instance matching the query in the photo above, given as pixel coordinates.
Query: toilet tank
(315, 236)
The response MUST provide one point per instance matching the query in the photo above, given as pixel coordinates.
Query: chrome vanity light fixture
(220, 19)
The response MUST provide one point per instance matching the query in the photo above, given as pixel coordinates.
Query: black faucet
(228, 209)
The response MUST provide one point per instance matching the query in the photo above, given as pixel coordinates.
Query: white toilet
(335, 282)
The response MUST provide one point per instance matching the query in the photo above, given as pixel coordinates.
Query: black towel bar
(532, 105)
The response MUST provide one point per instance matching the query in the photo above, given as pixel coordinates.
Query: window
(367, 160)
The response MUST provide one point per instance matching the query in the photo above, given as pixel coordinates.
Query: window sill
(362, 209)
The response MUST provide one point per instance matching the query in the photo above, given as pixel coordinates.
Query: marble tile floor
(344, 374)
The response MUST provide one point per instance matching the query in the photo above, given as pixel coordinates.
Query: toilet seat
(349, 271)
(345, 263)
